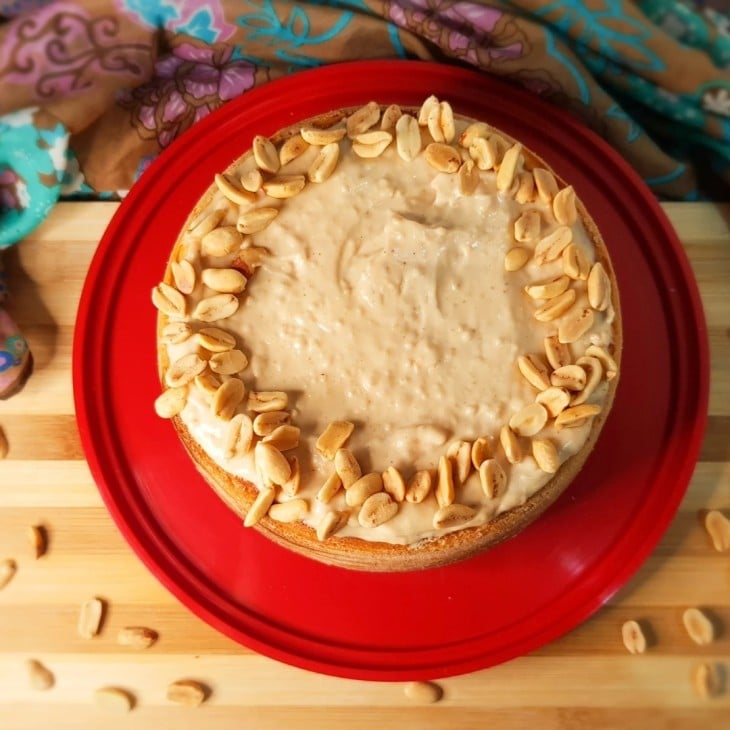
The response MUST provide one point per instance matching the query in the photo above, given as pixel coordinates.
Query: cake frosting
(396, 297)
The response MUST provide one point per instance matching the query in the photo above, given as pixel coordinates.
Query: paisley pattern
(188, 84)
(63, 49)
(32, 163)
(205, 21)
(465, 30)
(610, 32)
(292, 34)
(14, 352)
(708, 29)
(650, 76)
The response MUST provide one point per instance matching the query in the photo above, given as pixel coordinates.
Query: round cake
(388, 337)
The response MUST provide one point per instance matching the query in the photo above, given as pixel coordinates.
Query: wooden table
(584, 680)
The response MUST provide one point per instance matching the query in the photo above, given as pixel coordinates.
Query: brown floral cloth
(126, 77)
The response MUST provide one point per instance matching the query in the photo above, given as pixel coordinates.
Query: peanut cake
(388, 338)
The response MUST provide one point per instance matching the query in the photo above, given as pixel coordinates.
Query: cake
(388, 338)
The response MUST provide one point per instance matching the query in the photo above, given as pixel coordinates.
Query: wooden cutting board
(586, 679)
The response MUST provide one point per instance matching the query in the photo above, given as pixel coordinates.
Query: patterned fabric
(113, 82)
(14, 353)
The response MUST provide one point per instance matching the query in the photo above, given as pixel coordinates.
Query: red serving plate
(501, 604)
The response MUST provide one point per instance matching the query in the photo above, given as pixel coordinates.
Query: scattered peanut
(453, 515)
(548, 289)
(266, 401)
(37, 540)
(41, 678)
(445, 485)
(228, 362)
(564, 206)
(633, 637)
(529, 421)
(330, 487)
(272, 463)
(207, 383)
(481, 450)
(114, 698)
(8, 568)
(184, 276)
(547, 187)
(334, 437)
(284, 186)
(552, 246)
(516, 258)
(330, 524)
(169, 300)
(233, 193)
(377, 509)
(425, 693)
(599, 288)
(508, 167)
(214, 339)
(390, 118)
(221, 241)
(555, 307)
(363, 119)
(534, 371)
(260, 506)
(698, 626)
(291, 511)
(347, 467)
(407, 137)
(493, 478)
(576, 415)
(321, 137)
(324, 164)
(187, 692)
(443, 157)
(546, 455)
(718, 528)
(256, 220)
(173, 333)
(570, 377)
(284, 438)
(419, 487)
(575, 325)
(575, 263)
(557, 352)
(137, 637)
(709, 680)
(91, 616)
(554, 399)
(371, 144)
(291, 149)
(215, 308)
(394, 484)
(460, 454)
(468, 178)
(265, 154)
(510, 445)
(291, 486)
(266, 422)
(363, 488)
(227, 398)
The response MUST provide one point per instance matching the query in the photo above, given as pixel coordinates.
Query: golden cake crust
(355, 553)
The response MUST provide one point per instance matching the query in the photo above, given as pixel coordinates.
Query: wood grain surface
(586, 679)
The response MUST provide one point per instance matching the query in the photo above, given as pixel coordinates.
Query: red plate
(419, 625)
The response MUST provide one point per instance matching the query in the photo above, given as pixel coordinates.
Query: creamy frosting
(385, 302)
